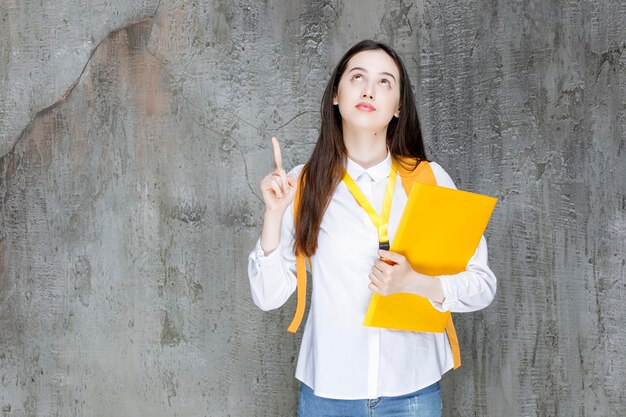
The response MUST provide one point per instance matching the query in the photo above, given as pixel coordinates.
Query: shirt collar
(378, 172)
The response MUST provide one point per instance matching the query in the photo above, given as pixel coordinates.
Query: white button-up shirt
(339, 356)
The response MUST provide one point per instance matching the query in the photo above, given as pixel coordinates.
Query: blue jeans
(422, 403)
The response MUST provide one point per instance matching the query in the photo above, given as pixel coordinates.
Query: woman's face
(368, 94)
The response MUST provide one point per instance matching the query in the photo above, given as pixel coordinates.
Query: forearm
(270, 233)
(470, 290)
(428, 287)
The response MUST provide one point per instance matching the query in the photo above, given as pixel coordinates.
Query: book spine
(404, 219)
(369, 315)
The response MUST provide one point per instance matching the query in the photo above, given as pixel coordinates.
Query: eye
(385, 82)
(357, 77)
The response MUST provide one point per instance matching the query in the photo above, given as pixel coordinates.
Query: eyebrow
(364, 70)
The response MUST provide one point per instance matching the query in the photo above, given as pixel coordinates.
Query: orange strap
(454, 343)
(300, 269)
(423, 174)
(301, 278)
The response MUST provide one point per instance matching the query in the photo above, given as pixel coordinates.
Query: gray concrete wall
(133, 138)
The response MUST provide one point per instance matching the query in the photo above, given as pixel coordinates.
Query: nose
(368, 91)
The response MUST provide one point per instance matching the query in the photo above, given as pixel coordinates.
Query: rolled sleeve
(472, 289)
(272, 280)
(263, 261)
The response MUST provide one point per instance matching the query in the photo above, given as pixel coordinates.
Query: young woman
(369, 126)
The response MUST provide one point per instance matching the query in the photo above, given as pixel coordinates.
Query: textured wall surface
(132, 140)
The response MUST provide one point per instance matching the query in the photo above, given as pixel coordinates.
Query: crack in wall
(238, 145)
(221, 134)
(276, 128)
(72, 86)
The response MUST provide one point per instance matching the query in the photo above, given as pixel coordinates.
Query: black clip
(383, 245)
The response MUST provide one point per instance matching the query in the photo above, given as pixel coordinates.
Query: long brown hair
(325, 169)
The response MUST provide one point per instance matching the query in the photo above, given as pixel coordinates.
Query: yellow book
(438, 233)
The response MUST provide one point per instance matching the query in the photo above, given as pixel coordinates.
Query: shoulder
(442, 177)
(296, 170)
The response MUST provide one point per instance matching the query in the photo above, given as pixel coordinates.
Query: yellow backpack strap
(425, 175)
(454, 343)
(300, 268)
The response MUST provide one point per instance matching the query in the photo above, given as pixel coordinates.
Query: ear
(335, 101)
(397, 113)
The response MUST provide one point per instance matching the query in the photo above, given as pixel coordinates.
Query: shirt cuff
(264, 261)
(451, 297)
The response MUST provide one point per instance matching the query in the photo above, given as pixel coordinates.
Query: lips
(365, 107)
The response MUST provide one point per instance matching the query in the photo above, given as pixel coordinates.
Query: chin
(367, 123)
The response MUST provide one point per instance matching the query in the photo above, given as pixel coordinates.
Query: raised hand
(277, 187)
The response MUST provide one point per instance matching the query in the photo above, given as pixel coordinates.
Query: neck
(366, 148)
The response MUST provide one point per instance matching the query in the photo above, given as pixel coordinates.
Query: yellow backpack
(423, 174)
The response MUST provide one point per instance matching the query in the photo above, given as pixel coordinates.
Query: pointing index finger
(278, 159)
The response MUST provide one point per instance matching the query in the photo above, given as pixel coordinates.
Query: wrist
(273, 213)
(417, 283)
(428, 287)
